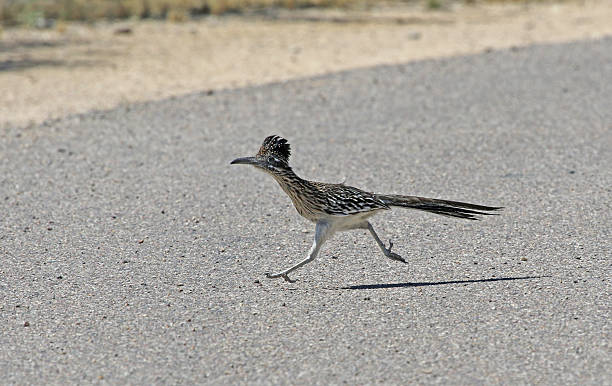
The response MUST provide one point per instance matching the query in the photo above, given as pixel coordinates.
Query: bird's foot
(393, 255)
(281, 274)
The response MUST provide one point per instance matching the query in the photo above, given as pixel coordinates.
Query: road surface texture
(132, 252)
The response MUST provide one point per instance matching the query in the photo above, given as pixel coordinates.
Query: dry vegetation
(41, 12)
(31, 11)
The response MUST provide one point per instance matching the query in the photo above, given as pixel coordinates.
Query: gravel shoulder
(50, 74)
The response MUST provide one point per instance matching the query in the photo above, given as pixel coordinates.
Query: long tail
(443, 207)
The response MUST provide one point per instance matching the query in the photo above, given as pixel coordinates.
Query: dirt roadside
(49, 74)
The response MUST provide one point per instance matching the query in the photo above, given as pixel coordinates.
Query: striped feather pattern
(316, 199)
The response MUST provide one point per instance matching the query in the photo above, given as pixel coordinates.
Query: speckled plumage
(314, 200)
(338, 207)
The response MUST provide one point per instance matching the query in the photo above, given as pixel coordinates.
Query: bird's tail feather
(442, 207)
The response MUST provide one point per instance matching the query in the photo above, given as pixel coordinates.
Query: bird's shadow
(423, 284)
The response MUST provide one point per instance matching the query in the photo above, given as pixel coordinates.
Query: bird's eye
(271, 159)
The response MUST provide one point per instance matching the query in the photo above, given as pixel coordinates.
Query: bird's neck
(287, 176)
(299, 191)
(291, 183)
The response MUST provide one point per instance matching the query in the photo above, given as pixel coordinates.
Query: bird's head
(273, 155)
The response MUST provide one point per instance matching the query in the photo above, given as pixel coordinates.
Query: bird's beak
(245, 161)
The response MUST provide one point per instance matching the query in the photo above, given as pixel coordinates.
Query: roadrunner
(337, 207)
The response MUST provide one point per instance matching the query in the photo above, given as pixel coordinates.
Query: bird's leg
(321, 234)
(386, 251)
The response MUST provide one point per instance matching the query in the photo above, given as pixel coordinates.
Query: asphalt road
(132, 252)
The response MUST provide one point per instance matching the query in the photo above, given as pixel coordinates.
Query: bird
(338, 207)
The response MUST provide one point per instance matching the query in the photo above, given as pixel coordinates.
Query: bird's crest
(276, 147)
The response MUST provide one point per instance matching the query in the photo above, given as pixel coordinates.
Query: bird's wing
(346, 200)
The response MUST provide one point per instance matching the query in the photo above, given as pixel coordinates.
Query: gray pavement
(132, 252)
